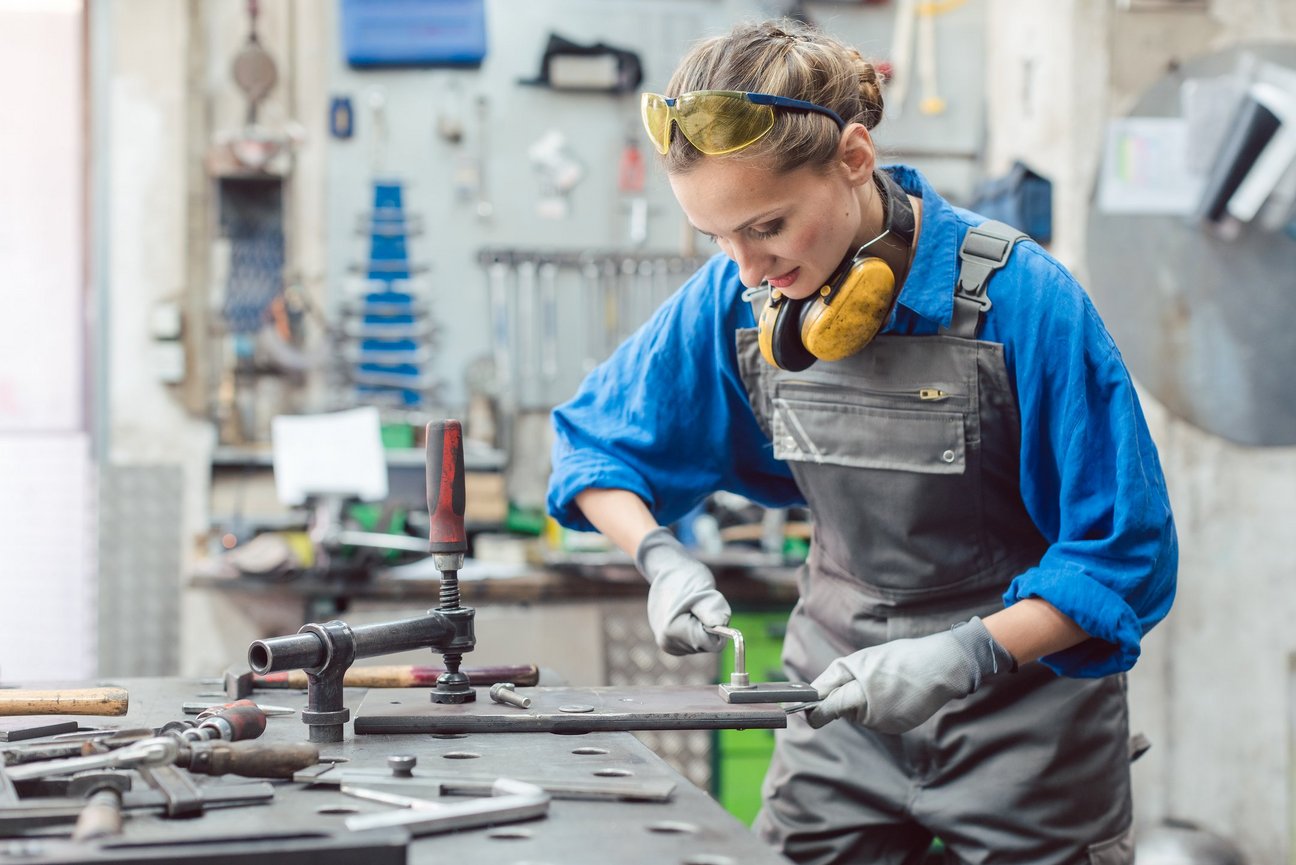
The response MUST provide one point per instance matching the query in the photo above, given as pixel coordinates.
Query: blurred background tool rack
(388, 336)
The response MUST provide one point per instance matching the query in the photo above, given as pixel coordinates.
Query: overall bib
(908, 456)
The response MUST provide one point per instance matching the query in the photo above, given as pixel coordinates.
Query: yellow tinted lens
(718, 123)
(656, 120)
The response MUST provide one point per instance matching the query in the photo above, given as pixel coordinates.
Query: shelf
(481, 459)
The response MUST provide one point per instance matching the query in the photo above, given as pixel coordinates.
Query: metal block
(17, 729)
(769, 692)
(566, 710)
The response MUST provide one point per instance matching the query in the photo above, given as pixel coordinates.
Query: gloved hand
(896, 686)
(683, 596)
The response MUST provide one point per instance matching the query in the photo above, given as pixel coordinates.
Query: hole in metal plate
(589, 751)
(449, 735)
(460, 755)
(614, 773)
(673, 827)
(394, 702)
(509, 834)
(336, 809)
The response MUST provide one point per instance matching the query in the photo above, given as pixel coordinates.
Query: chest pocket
(921, 430)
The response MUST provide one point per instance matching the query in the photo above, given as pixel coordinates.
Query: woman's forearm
(1033, 628)
(620, 515)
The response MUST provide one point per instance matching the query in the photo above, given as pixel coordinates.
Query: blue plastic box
(379, 33)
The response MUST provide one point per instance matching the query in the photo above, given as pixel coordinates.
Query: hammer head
(238, 683)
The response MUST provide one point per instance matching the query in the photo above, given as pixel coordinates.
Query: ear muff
(838, 322)
(779, 333)
(848, 312)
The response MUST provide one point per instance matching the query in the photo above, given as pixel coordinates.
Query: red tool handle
(245, 721)
(445, 487)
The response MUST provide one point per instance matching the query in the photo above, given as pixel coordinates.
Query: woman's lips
(786, 279)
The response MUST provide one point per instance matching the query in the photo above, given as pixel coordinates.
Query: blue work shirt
(667, 418)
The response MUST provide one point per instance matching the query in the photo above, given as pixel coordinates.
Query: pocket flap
(929, 442)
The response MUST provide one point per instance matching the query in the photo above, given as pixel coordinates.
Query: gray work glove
(896, 686)
(683, 596)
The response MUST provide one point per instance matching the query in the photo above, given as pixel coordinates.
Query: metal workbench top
(689, 829)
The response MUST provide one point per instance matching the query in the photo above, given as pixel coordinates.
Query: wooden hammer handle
(406, 677)
(76, 701)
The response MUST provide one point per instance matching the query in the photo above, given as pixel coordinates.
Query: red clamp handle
(445, 487)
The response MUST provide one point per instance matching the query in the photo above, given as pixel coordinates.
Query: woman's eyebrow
(748, 224)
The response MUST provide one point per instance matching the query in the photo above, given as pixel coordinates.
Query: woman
(984, 490)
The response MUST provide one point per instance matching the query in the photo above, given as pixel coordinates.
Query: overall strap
(985, 249)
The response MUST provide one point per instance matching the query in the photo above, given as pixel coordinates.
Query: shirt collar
(928, 290)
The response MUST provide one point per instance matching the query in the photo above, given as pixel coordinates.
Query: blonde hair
(783, 58)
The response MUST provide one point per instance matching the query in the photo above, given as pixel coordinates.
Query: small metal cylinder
(402, 765)
(502, 692)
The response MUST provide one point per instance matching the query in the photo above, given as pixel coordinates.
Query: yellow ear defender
(848, 311)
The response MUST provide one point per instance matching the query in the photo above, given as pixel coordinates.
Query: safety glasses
(718, 121)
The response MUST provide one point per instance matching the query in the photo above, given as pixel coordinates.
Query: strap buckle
(981, 254)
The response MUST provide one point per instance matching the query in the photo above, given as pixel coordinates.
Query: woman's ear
(856, 154)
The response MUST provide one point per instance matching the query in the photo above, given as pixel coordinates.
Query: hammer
(77, 701)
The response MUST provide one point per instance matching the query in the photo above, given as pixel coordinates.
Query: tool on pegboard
(630, 183)
(915, 22)
(341, 117)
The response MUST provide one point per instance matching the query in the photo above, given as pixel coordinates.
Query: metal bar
(568, 710)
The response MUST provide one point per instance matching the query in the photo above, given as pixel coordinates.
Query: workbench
(309, 822)
(749, 580)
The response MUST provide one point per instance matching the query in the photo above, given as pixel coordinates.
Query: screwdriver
(249, 759)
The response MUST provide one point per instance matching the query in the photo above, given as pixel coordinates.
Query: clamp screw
(503, 692)
(402, 765)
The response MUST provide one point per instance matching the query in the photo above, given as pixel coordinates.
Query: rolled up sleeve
(1090, 478)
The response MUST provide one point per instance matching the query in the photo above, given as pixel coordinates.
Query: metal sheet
(1203, 322)
(315, 847)
(689, 827)
(698, 707)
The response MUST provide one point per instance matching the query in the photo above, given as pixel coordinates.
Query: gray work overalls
(908, 456)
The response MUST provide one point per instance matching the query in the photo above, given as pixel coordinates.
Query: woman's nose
(751, 263)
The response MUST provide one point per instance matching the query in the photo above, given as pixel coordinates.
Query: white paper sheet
(1145, 168)
(329, 454)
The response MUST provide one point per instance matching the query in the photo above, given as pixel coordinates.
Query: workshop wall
(47, 513)
(502, 121)
(1214, 688)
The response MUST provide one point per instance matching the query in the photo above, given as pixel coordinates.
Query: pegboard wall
(500, 120)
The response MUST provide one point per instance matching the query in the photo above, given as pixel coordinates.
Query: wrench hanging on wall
(525, 334)
(548, 273)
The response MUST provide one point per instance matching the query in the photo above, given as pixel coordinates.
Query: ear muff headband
(856, 302)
